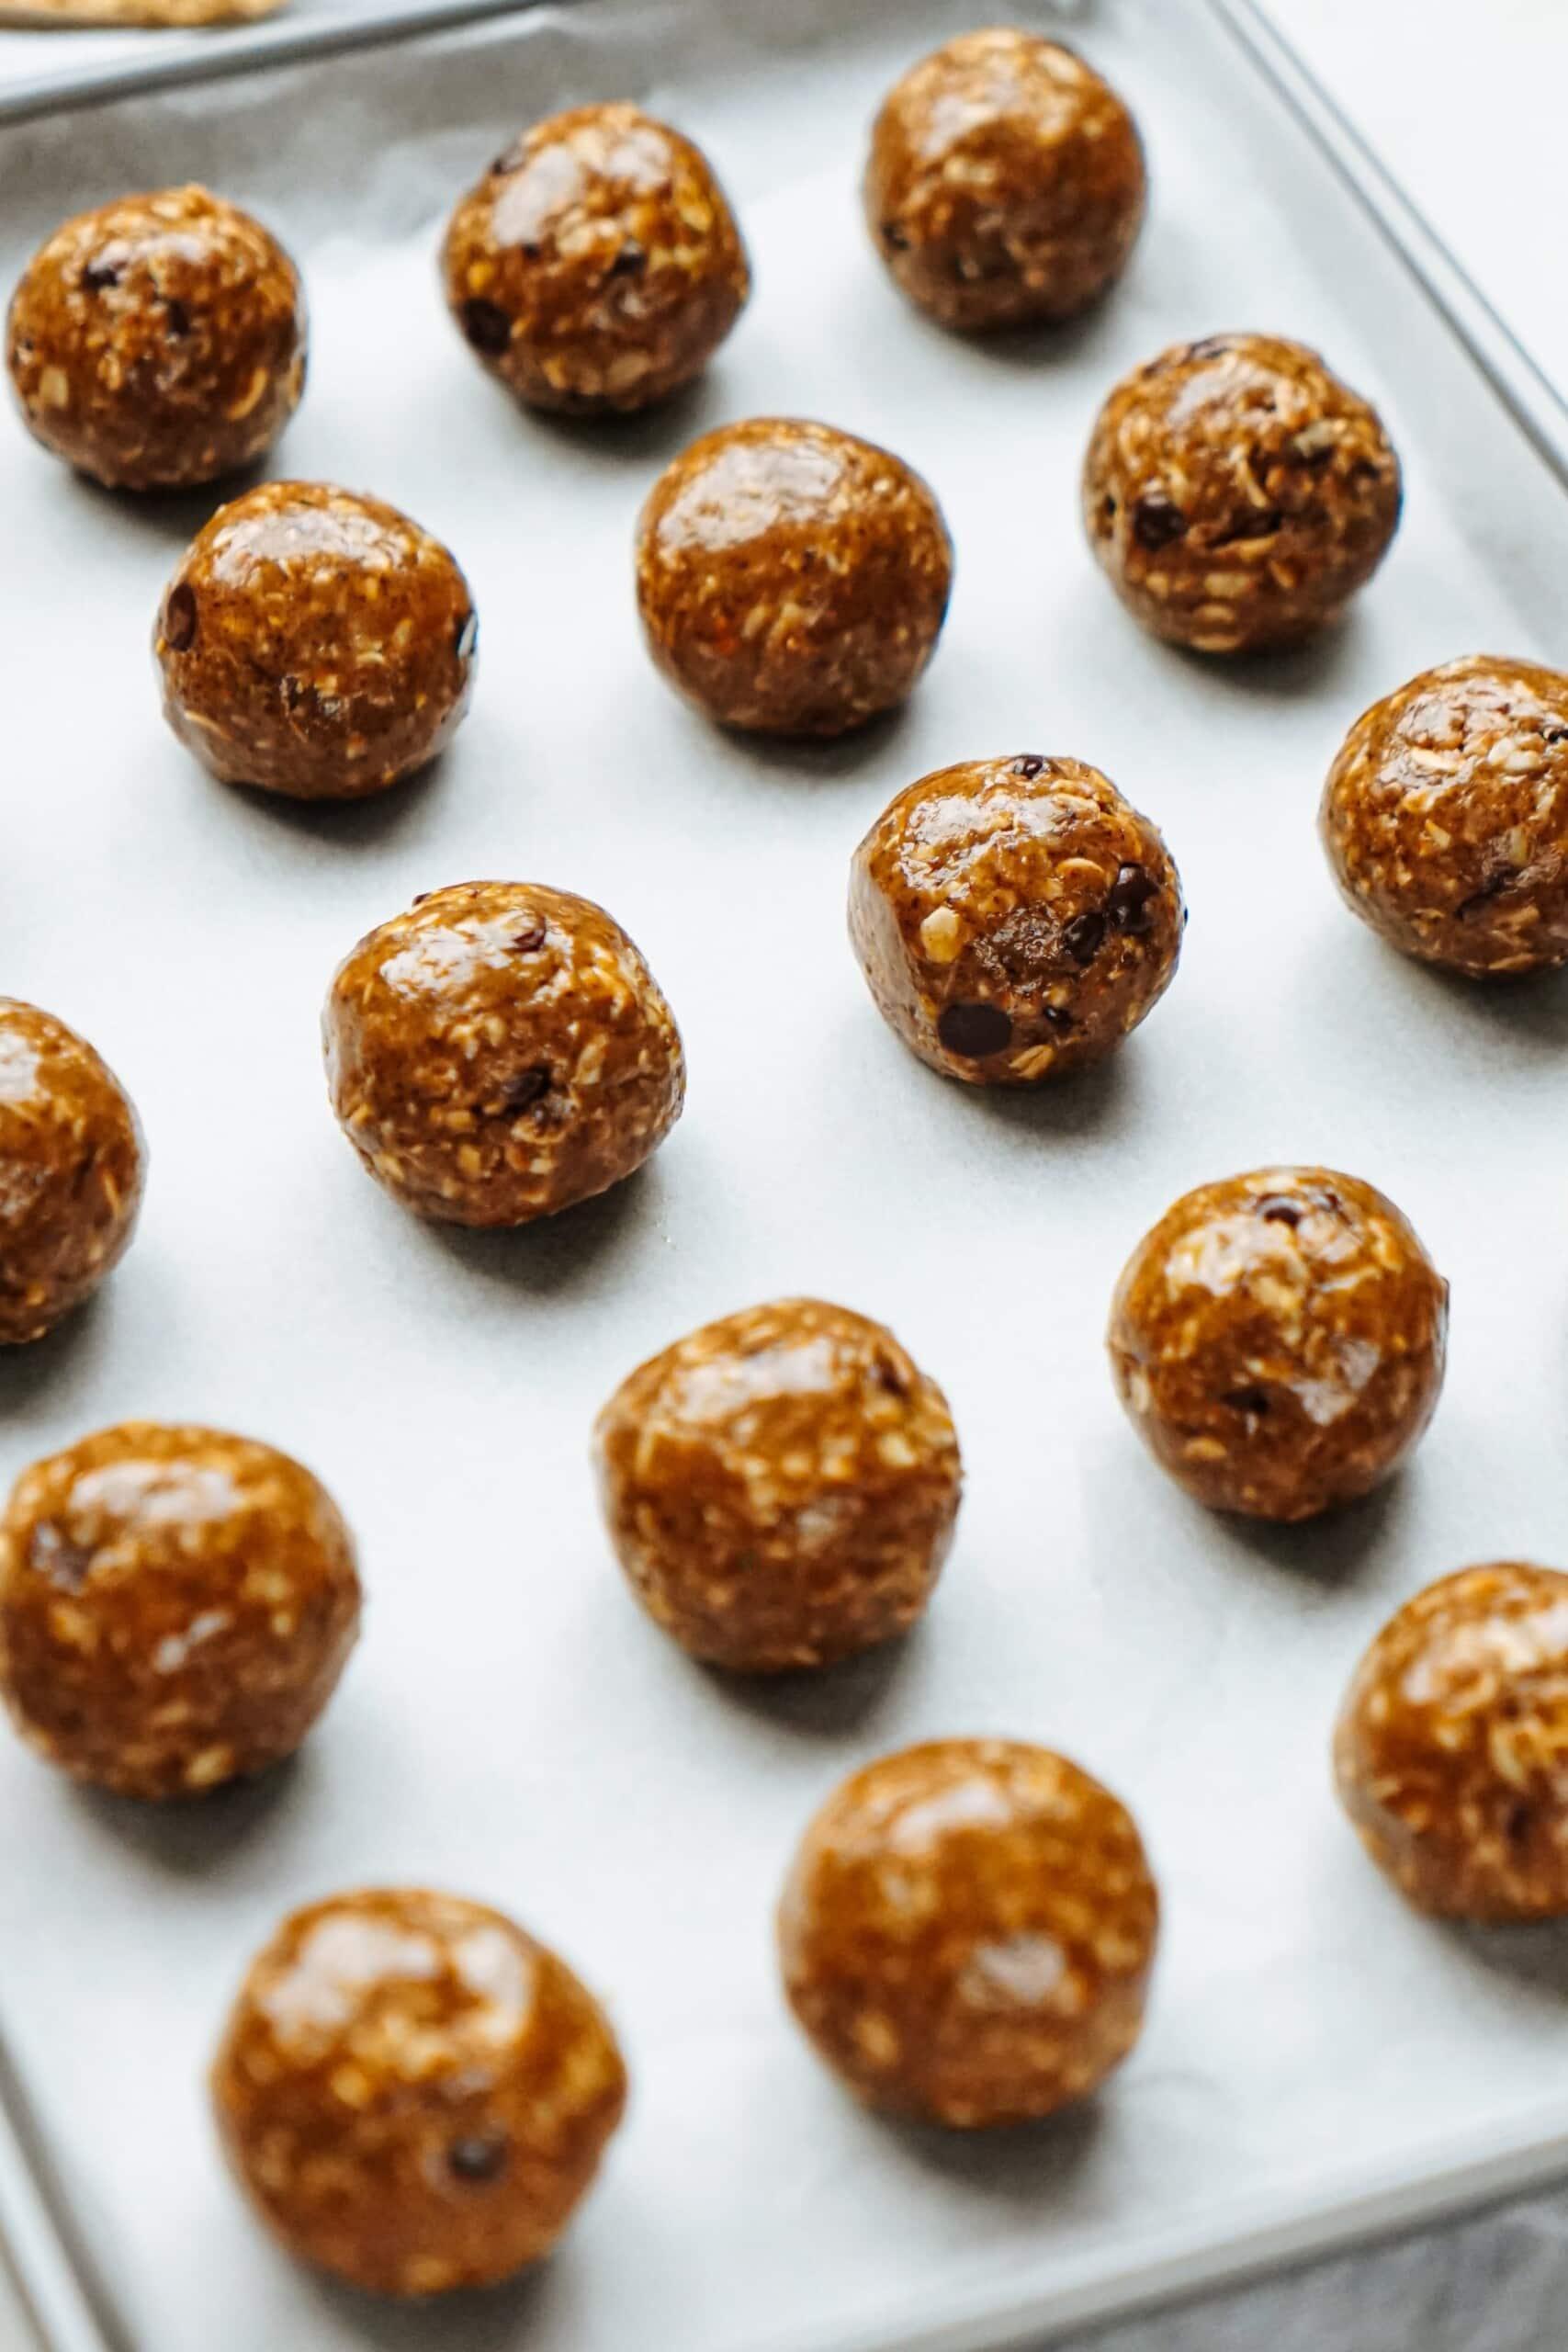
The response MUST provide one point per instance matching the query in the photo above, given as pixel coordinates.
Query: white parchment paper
(511, 1728)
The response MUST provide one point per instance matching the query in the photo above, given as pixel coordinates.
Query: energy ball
(158, 341)
(500, 1052)
(1278, 1342)
(315, 644)
(1006, 185)
(1445, 817)
(1014, 919)
(1452, 1751)
(1236, 495)
(780, 1486)
(968, 1931)
(791, 579)
(176, 1605)
(596, 267)
(73, 1165)
(413, 2093)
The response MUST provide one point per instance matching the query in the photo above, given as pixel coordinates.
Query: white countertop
(1467, 112)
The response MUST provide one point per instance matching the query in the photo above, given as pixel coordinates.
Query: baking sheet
(511, 1728)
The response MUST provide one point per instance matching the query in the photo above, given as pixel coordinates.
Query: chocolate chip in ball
(525, 1090)
(177, 317)
(99, 273)
(1029, 765)
(477, 2159)
(525, 941)
(1084, 936)
(468, 634)
(1252, 1402)
(630, 262)
(1131, 896)
(893, 236)
(179, 616)
(974, 1030)
(1157, 521)
(487, 327)
(1274, 1209)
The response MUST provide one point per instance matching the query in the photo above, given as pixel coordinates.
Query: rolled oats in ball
(1237, 494)
(780, 1486)
(1278, 1342)
(158, 341)
(1006, 184)
(315, 644)
(1015, 918)
(500, 1052)
(596, 265)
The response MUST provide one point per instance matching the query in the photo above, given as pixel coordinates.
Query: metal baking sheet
(1317, 2061)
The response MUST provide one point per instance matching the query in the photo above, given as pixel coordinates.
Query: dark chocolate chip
(511, 159)
(1553, 734)
(888, 1376)
(525, 1090)
(630, 262)
(1108, 508)
(99, 273)
(529, 250)
(975, 1029)
(526, 940)
(178, 318)
(892, 234)
(293, 690)
(478, 2159)
(179, 616)
(1157, 521)
(1214, 347)
(421, 899)
(1274, 1209)
(1132, 895)
(1056, 1017)
(1492, 887)
(1084, 937)
(487, 327)
(1518, 1821)
(1029, 765)
(468, 634)
(1253, 1402)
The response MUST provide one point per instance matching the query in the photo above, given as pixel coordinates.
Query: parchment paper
(511, 1728)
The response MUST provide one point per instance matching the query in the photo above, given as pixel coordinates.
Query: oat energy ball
(780, 1486)
(175, 1608)
(792, 579)
(415, 2094)
(158, 341)
(501, 1052)
(1278, 1342)
(968, 1931)
(1014, 919)
(596, 265)
(1006, 184)
(1445, 817)
(1237, 494)
(1452, 1751)
(315, 644)
(73, 1165)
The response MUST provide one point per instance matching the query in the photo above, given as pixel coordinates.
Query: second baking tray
(1316, 2057)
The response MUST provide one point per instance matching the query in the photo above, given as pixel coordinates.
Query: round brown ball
(176, 1605)
(315, 644)
(1014, 919)
(969, 1932)
(500, 1052)
(1237, 494)
(158, 341)
(1278, 1342)
(413, 2093)
(1444, 817)
(780, 1486)
(791, 579)
(597, 266)
(1006, 185)
(72, 1167)
(1451, 1750)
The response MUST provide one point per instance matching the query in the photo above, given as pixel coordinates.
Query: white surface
(511, 1728)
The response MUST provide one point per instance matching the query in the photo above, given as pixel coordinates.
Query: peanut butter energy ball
(414, 2094)
(1237, 494)
(1451, 1752)
(158, 341)
(1445, 817)
(780, 1486)
(175, 1608)
(1006, 185)
(501, 1052)
(596, 265)
(1014, 919)
(315, 644)
(1278, 1342)
(792, 579)
(72, 1164)
(968, 1931)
